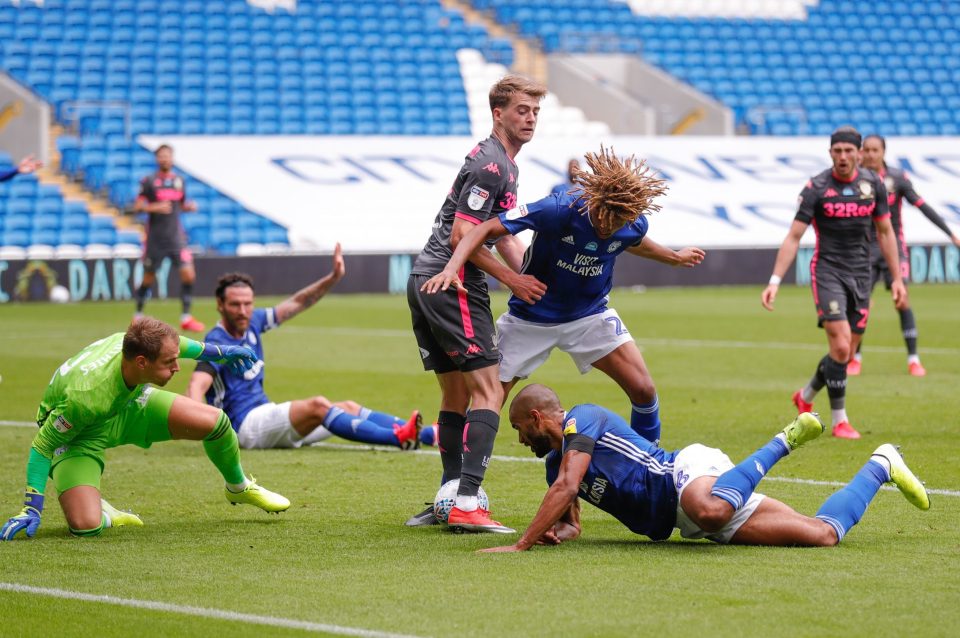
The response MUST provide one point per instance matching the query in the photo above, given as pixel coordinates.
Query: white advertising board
(381, 194)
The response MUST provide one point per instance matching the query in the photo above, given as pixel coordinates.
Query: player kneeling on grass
(103, 397)
(592, 453)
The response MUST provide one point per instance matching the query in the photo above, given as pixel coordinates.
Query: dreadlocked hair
(618, 190)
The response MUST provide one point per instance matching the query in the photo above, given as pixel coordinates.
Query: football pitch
(340, 561)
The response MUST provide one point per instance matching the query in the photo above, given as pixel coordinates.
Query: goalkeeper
(106, 396)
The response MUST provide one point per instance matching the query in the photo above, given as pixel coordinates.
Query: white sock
(467, 503)
(236, 488)
(882, 460)
(808, 394)
(913, 358)
(858, 357)
(184, 317)
(838, 416)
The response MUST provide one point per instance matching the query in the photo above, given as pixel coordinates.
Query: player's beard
(541, 446)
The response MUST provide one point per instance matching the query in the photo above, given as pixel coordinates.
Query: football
(447, 496)
(59, 294)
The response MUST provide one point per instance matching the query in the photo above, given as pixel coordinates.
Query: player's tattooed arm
(308, 296)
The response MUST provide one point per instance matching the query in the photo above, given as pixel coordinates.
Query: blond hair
(145, 337)
(618, 189)
(503, 91)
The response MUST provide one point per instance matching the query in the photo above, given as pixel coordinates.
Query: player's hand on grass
(527, 288)
(690, 256)
(441, 282)
(500, 550)
(27, 520)
(769, 295)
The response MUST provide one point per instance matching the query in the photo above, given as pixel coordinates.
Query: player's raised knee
(319, 405)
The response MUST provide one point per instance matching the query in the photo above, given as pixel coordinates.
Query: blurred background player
(577, 239)
(261, 423)
(108, 395)
(163, 197)
(26, 166)
(563, 187)
(455, 331)
(842, 203)
(592, 453)
(899, 187)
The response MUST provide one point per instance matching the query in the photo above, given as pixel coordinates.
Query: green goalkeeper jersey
(82, 400)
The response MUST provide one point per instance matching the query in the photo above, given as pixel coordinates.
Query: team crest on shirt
(570, 427)
(62, 424)
(866, 190)
(518, 212)
(612, 247)
(834, 307)
(478, 197)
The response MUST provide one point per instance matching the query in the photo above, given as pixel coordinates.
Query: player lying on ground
(592, 453)
(105, 396)
(259, 422)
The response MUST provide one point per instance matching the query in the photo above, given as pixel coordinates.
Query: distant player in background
(592, 454)
(577, 239)
(26, 166)
(842, 203)
(455, 333)
(899, 188)
(109, 395)
(261, 423)
(163, 197)
(573, 166)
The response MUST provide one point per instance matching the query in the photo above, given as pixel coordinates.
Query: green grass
(724, 369)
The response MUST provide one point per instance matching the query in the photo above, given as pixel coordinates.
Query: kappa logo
(424, 353)
(492, 167)
(591, 246)
(474, 349)
(830, 193)
(477, 198)
(62, 424)
(512, 179)
(612, 247)
(568, 240)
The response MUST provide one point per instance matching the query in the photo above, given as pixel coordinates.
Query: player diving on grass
(259, 422)
(592, 453)
(108, 395)
(577, 239)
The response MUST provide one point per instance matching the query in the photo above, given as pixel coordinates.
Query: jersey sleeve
(62, 425)
(480, 191)
(542, 216)
(641, 226)
(882, 208)
(806, 204)
(147, 193)
(265, 319)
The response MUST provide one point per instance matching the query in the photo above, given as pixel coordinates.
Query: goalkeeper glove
(238, 358)
(28, 519)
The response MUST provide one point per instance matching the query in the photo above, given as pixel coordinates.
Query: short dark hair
(145, 336)
(503, 91)
(232, 279)
(879, 138)
(163, 147)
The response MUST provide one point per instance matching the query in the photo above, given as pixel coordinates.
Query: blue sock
(735, 486)
(381, 418)
(645, 420)
(844, 509)
(355, 428)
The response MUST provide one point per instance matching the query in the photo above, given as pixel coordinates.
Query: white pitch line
(203, 612)
(532, 459)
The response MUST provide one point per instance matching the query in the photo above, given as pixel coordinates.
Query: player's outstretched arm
(557, 502)
(308, 296)
(200, 382)
(888, 248)
(238, 358)
(785, 256)
(687, 257)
